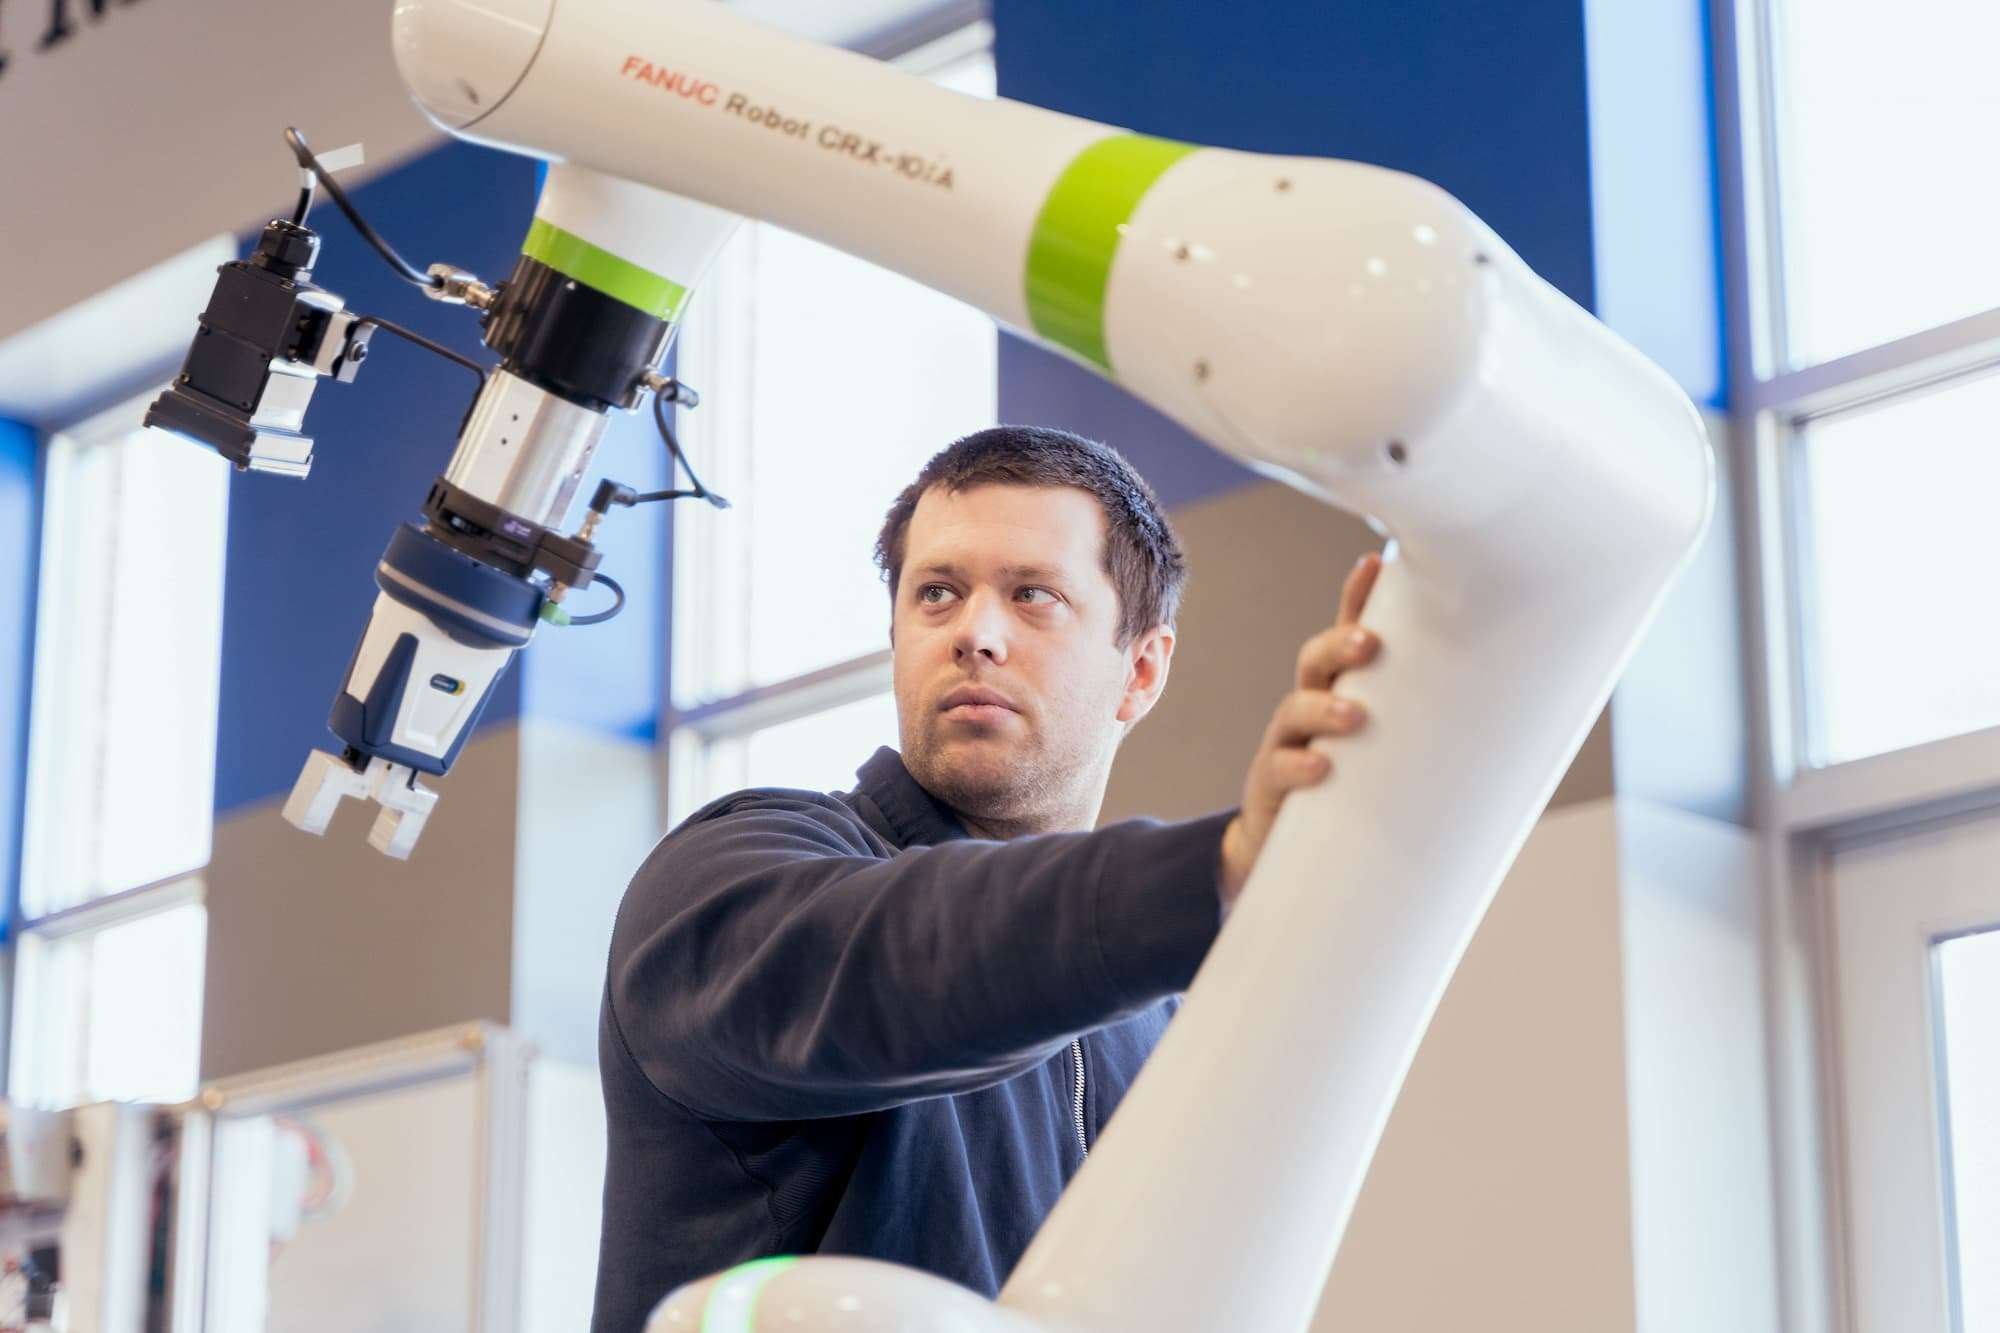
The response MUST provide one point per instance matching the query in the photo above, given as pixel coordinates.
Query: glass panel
(1968, 973)
(1886, 115)
(819, 752)
(1898, 554)
(121, 772)
(111, 1013)
(828, 382)
(838, 436)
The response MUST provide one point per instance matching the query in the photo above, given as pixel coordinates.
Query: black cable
(700, 492)
(306, 159)
(439, 348)
(599, 617)
(305, 202)
(425, 343)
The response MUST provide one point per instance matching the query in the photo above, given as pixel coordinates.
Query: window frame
(689, 730)
(1798, 810)
(1886, 947)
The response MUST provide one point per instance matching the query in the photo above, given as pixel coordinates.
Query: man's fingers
(1290, 769)
(1360, 582)
(1346, 644)
(1307, 714)
(1332, 651)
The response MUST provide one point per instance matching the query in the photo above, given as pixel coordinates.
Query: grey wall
(1265, 570)
(504, 912)
(318, 944)
(1500, 1198)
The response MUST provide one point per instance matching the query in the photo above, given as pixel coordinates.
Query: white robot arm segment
(1352, 331)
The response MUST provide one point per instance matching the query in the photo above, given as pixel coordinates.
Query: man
(890, 1022)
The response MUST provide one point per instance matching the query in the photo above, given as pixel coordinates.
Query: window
(1864, 309)
(1885, 114)
(1872, 307)
(121, 766)
(826, 383)
(1898, 556)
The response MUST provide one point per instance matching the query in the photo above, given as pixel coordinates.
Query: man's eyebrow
(1045, 573)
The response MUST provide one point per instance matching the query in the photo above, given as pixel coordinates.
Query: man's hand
(1284, 761)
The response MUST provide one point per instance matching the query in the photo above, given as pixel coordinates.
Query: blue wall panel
(302, 555)
(19, 507)
(1485, 98)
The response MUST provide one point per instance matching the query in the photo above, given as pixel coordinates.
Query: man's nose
(981, 630)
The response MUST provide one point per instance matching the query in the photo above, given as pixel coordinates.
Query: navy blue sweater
(837, 1023)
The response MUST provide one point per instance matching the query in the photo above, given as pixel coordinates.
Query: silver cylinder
(525, 450)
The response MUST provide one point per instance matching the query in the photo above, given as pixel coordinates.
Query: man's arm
(766, 967)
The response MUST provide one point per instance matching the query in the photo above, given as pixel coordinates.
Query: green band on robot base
(574, 257)
(1077, 234)
(732, 1304)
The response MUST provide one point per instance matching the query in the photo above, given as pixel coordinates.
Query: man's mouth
(975, 703)
(987, 713)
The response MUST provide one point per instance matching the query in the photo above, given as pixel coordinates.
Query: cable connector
(609, 493)
(454, 286)
(670, 390)
(554, 613)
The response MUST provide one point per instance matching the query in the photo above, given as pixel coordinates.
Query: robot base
(831, 1292)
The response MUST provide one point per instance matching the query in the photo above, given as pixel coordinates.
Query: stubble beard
(1019, 785)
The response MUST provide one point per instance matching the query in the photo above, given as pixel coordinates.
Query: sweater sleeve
(768, 966)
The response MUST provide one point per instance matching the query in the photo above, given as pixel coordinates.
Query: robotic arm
(1352, 331)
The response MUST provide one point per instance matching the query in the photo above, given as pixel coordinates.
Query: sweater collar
(914, 816)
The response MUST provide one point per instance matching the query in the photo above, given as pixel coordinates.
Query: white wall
(1703, 1209)
(160, 124)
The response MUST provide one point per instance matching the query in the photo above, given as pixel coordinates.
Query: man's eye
(924, 593)
(1043, 591)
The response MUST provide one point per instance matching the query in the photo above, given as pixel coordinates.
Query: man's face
(1003, 589)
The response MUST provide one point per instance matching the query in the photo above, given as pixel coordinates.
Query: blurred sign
(62, 24)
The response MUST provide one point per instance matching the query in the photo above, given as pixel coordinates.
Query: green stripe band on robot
(620, 279)
(1077, 234)
(732, 1303)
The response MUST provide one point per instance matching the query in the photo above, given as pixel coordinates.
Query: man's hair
(1141, 554)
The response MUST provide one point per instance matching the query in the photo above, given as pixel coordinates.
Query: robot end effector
(464, 589)
(267, 336)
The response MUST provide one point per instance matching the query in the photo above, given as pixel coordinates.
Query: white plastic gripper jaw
(326, 779)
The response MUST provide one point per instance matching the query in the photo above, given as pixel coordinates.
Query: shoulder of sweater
(834, 811)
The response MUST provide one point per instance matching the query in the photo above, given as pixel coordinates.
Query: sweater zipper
(1076, 1054)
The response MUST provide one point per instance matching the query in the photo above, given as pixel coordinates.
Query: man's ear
(1146, 665)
